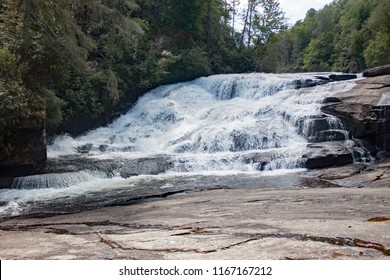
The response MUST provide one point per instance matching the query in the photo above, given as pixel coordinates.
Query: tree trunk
(250, 21)
(209, 42)
(26, 28)
(234, 15)
(245, 25)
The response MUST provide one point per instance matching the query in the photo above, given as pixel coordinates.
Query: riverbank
(327, 215)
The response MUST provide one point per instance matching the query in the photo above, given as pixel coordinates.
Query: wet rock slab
(311, 221)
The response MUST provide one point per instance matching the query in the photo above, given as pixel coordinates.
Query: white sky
(296, 9)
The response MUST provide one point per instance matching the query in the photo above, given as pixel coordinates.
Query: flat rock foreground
(324, 216)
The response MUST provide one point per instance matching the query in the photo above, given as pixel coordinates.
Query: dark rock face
(321, 80)
(351, 116)
(329, 135)
(377, 71)
(28, 148)
(331, 100)
(380, 122)
(310, 83)
(342, 77)
(316, 125)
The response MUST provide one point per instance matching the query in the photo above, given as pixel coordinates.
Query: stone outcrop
(379, 125)
(364, 112)
(329, 135)
(377, 71)
(326, 154)
(321, 80)
(27, 148)
(342, 77)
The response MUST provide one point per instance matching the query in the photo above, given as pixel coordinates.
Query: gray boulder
(144, 166)
(329, 154)
(84, 149)
(377, 71)
(342, 77)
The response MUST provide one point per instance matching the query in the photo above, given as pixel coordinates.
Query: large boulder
(377, 71)
(342, 77)
(329, 154)
(84, 149)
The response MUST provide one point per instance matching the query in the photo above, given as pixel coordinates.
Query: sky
(296, 9)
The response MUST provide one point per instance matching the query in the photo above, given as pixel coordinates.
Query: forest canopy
(68, 59)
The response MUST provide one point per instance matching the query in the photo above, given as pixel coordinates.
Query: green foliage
(347, 35)
(377, 53)
(53, 109)
(317, 55)
(13, 106)
(10, 68)
(192, 63)
(68, 58)
(14, 96)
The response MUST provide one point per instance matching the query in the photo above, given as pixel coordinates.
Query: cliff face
(365, 112)
(26, 147)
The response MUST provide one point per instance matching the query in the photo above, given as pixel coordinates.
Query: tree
(377, 51)
(268, 20)
(234, 6)
(263, 19)
(347, 35)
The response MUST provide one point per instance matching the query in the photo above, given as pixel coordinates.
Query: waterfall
(54, 180)
(219, 123)
(207, 132)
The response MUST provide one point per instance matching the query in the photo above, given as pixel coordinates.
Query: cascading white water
(212, 123)
(61, 180)
(219, 125)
